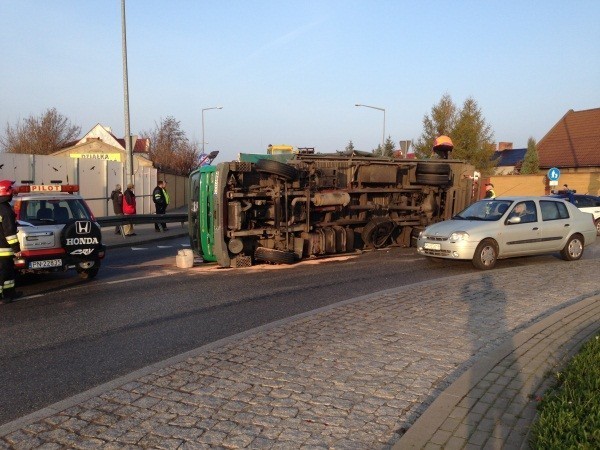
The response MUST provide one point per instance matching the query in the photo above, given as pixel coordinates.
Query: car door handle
(535, 228)
(567, 224)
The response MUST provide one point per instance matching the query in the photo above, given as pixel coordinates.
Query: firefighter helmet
(6, 188)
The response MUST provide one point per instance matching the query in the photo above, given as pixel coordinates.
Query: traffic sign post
(553, 175)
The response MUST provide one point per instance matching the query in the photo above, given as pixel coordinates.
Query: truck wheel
(377, 232)
(433, 179)
(274, 256)
(441, 168)
(486, 255)
(573, 249)
(277, 168)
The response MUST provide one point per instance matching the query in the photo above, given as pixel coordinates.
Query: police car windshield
(52, 211)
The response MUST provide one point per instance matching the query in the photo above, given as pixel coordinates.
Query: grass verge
(569, 414)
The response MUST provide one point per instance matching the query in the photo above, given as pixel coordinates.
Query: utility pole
(129, 171)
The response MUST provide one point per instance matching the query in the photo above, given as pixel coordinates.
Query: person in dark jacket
(160, 196)
(129, 208)
(117, 200)
(9, 244)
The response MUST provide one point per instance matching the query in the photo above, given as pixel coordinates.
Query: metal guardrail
(138, 219)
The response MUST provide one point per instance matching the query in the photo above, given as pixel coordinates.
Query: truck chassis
(260, 209)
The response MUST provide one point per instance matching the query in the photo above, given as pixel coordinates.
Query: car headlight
(421, 233)
(459, 236)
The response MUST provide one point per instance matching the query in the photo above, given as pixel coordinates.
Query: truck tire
(440, 168)
(277, 168)
(274, 256)
(433, 179)
(377, 232)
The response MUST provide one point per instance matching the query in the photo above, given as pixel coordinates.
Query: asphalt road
(67, 336)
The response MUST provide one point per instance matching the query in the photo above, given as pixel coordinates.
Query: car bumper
(446, 249)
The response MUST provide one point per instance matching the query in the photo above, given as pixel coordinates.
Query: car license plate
(45, 264)
(432, 246)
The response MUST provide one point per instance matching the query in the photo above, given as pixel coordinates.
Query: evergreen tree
(531, 163)
(471, 135)
(387, 150)
(350, 146)
(441, 121)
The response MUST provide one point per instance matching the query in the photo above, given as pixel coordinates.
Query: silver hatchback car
(507, 227)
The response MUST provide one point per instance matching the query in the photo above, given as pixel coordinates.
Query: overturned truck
(262, 209)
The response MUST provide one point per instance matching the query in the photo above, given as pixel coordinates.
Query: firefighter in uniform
(9, 244)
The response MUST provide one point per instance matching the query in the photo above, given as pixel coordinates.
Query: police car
(56, 230)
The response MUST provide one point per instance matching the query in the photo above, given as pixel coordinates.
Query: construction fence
(96, 179)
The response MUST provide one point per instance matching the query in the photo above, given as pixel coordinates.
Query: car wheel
(277, 168)
(274, 256)
(486, 255)
(88, 274)
(598, 227)
(573, 250)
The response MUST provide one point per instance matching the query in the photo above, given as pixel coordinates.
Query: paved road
(356, 374)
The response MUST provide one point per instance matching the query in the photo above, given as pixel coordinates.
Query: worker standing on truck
(9, 244)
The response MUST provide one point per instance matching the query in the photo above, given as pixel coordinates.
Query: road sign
(553, 174)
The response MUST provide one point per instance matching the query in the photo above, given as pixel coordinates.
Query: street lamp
(206, 109)
(380, 109)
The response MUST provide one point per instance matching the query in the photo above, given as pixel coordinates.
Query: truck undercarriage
(312, 205)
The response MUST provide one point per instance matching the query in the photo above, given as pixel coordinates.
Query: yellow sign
(101, 156)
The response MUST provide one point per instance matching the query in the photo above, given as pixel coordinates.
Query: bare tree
(170, 149)
(42, 135)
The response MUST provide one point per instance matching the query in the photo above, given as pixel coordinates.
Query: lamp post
(206, 109)
(128, 150)
(380, 109)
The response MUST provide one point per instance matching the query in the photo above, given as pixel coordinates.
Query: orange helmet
(443, 140)
(6, 188)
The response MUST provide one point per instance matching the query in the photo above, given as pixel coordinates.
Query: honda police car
(56, 230)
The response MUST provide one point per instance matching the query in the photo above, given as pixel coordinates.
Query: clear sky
(290, 72)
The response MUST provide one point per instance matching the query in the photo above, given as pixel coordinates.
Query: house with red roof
(573, 144)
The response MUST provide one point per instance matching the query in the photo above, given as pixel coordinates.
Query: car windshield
(54, 211)
(489, 210)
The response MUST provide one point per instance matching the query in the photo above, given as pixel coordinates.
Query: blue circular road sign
(553, 174)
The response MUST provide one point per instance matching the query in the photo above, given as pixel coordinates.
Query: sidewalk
(451, 363)
(144, 234)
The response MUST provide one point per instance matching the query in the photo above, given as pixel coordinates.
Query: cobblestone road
(354, 375)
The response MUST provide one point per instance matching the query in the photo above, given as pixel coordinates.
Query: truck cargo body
(259, 209)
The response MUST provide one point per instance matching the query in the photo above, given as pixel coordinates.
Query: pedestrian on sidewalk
(9, 244)
(117, 198)
(129, 208)
(160, 196)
